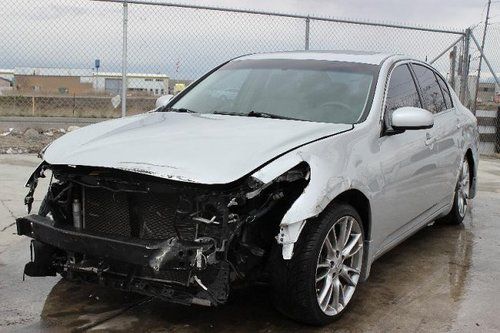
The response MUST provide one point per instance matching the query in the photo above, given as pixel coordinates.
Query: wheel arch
(360, 202)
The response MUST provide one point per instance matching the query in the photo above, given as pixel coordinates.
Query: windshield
(312, 90)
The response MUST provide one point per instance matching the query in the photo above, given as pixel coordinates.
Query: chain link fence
(485, 91)
(64, 58)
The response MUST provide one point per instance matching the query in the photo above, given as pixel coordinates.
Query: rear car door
(443, 136)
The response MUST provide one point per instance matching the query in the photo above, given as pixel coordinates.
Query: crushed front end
(178, 241)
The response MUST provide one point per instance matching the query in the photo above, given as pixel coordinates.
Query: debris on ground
(16, 151)
(73, 128)
(32, 140)
(7, 133)
(32, 134)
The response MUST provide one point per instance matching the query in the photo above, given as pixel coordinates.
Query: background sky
(184, 43)
(457, 14)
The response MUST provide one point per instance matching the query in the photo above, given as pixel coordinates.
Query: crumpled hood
(200, 148)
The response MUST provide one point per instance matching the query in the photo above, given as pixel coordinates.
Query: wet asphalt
(442, 279)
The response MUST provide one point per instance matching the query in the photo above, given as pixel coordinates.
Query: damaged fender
(320, 191)
(32, 183)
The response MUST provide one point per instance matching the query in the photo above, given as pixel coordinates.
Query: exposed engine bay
(179, 241)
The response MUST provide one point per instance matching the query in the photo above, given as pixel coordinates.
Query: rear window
(431, 92)
(446, 92)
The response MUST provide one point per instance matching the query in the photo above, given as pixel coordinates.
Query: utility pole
(464, 74)
(453, 66)
(481, 55)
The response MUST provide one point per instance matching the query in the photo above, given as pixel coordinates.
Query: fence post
(33, 104)
(464, 76)
(306, 47)
(497, 136)
(124, 60)
(453, 66)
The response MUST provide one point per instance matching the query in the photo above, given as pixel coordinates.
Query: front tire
(316, 285)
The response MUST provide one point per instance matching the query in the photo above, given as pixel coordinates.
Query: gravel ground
(32, 140)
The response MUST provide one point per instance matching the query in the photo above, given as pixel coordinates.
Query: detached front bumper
(139, 252)
(161, 268)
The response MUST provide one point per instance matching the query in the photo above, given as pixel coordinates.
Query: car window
(329, 96)
(432, 96)
(402, 90)
(221, 96)
(446, 92)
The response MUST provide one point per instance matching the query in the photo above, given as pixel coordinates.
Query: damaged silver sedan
(298, 169)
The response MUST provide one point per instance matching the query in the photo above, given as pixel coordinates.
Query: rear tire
(316, 285)
(461, 197)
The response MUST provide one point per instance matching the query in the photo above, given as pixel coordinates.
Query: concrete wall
(136, 85)
(99, 107)
(55, 85)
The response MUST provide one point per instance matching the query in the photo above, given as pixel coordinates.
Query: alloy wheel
(339, 265)
(463, 189)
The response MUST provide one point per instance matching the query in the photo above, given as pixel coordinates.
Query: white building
(6, 79)
(151, 84)
(7, 74)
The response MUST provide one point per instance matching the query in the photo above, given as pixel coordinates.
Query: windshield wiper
(229, 113)
(254, 114)
(268, 115)
(184, 110)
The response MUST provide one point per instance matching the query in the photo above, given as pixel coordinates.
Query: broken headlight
(300, 171)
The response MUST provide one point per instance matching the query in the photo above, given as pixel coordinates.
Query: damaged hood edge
(195, 148)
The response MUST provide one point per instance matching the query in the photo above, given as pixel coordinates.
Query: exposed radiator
(137, 215)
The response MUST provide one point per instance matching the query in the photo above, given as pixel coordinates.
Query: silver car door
(450, 144)
(406, 164)
(443, 135)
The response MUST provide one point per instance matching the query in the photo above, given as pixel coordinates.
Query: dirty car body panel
(181, 204)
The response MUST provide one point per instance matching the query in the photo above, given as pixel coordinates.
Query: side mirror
(411, 118)
(163, 100)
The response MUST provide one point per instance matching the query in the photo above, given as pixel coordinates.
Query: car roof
(373, 58)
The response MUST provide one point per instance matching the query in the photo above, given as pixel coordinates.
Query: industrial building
(488, 90)
(6, 78)
(137, 83)
(74, 81)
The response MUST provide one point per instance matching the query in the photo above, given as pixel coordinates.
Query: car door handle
(429, 140)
